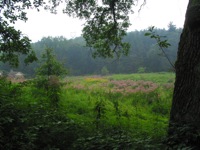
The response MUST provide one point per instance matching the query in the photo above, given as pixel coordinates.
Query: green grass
(99, 111)
(143, 113)
(161, 77)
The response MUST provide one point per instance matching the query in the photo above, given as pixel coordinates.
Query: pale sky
(155, 13)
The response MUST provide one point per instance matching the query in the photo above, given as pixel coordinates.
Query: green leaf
(147, 34)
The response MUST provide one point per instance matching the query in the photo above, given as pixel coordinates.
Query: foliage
(99, 111)
(105, 26)
(104, 71)
(161, 43)
(13, 121)
(115, 139)
(183, 136)
(159, 78)
(47, 78)
(104, 33)
(171, 27)
(12, 41)
(29, 119)
(25, 123)
(141, 70)
(50, 66)
(156, 103)
(77, 58)
(51, 87)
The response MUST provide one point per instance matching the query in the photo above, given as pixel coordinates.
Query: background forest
(144, 55)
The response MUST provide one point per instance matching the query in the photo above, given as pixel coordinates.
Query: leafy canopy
(105, 27)
(106, 24)
(12, 41)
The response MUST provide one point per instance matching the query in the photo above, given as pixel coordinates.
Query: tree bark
(185, 110)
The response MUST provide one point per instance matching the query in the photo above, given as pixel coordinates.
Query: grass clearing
(144, 111)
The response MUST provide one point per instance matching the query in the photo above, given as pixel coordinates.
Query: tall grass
(143, 113)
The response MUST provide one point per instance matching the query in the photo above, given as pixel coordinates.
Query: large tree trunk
(185, 111)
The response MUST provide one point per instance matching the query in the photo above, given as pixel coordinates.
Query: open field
(124, 83)
(139, 103)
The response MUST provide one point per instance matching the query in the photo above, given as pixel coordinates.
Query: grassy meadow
(136, 103)
(124, 111)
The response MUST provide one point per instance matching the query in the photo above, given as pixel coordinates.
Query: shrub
(25, 125)
(51, 87)
(141, 70)
(114, 139)
(104, 71)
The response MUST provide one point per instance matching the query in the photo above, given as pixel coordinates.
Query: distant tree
(141, 70)
(76, 57)
(51, 66)
(171, 27)
(104, 71)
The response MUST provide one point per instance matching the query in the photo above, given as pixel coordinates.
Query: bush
(104, 71)
(51, 87)
(25, 125)
(114, 139)
(141, 70)
(13, 129)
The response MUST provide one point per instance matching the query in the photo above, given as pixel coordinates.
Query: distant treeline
(144, 55)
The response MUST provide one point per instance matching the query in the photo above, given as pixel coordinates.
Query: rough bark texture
(186, 99)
